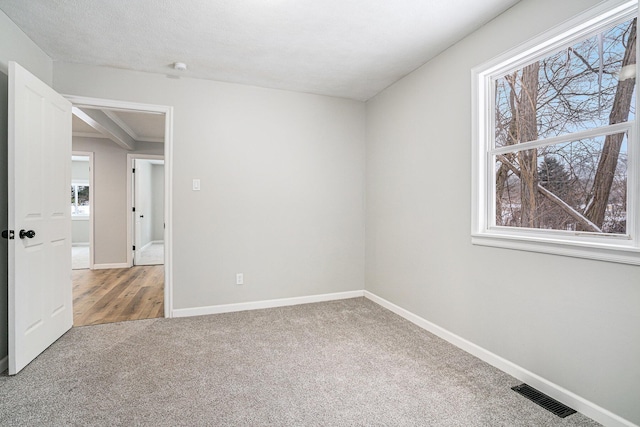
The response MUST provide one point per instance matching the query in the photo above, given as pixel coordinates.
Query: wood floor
(116, 295)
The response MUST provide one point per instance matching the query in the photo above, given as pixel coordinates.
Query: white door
(138, 215)
(39, 149)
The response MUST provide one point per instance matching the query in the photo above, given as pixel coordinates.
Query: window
(79, 199)
(556, 153)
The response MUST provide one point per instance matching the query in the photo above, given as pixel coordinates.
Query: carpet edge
(582, 405)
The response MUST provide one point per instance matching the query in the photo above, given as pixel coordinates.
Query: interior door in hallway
(148, 211)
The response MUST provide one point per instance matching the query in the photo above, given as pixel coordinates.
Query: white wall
(572, 321)
(80, 231)
(157, 202)
(282, 178)
(14, 46)
(80, 226)
(80, 171)
(110, 196)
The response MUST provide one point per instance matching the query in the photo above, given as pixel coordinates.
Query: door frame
(82, 101)
(130, 198)
(88, 154)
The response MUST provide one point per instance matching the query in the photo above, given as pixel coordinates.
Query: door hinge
(133, 170)
(134, 209)
(8, 234)
(134, 247)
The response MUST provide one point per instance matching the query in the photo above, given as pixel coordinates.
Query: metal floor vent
(543, 400)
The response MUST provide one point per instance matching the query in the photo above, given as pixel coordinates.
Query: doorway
(81, 210)
(147, 217)
(40, 301)
(115, 288)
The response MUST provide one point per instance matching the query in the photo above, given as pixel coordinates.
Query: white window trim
(622, 249)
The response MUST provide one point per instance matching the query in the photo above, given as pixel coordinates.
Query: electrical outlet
(239, 279)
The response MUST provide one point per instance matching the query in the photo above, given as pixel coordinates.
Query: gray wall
(14, 46)
(110, 196)
(282, 177)
(109, 199)
(572, 321)
(157, 201)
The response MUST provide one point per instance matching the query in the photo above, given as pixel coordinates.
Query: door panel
(137, 209)
(40, 298)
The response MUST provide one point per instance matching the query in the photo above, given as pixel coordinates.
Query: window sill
(600, 252)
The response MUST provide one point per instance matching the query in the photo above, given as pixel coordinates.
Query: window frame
(615, 248)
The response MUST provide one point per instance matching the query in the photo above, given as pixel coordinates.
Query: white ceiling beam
(149, 139)
(138, 138)
(88, 135)
(117, 120)
(98, 120)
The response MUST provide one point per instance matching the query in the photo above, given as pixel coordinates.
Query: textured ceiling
(350, 49)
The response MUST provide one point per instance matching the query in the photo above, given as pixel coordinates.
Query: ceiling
(125, 128)
(351, 49)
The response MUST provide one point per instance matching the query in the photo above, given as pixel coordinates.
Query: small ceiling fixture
(180, 66)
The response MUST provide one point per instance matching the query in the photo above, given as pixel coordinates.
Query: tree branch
(581, 58)
(555, 199)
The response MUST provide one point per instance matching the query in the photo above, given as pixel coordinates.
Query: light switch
(196, 185)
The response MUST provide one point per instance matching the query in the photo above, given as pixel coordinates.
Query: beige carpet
(342, 363)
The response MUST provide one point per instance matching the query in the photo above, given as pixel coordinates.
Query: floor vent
(543, 400)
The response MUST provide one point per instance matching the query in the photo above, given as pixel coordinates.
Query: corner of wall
(16, 46)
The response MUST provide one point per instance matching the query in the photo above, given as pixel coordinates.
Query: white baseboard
(109, 266)
(157, 242)
(257, 305)
(4, 364)
(561, 394)
(80, 244)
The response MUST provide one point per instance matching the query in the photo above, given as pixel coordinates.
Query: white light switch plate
(196, 185)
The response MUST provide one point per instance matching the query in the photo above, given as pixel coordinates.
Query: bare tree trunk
(503, 172)
(501, 179)
(603, 180)
(528, 131)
